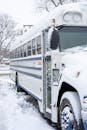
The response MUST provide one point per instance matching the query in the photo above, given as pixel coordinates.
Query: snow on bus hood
(75, 60)
(74, 69)
(74, 66)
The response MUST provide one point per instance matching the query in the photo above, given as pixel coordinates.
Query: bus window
(25, 50)
(21, 51)
(38, 43)
(29, 48)
(11, 55)
(18, 51)
(33, 47)
(15, 53)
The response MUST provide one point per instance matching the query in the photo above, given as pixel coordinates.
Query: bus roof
(45, 22)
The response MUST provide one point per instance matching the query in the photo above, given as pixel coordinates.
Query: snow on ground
(16, 113)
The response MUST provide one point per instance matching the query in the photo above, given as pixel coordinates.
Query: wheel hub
(67, 119)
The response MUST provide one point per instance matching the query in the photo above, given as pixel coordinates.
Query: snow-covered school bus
(50, 63)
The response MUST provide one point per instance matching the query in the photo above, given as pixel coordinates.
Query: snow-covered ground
(16, 112)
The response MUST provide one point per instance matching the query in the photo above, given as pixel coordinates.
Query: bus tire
(69, 116)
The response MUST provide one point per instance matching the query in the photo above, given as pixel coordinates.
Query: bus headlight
(67, 17)
(77, 18)
(55, 76)
(72, 17)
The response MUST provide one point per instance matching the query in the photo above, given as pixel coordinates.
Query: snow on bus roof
(45, 22)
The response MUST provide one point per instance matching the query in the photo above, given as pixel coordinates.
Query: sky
(22, 11)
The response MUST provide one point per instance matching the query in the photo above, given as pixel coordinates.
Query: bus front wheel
(69, 112)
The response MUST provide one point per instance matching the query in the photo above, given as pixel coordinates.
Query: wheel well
(64, 88)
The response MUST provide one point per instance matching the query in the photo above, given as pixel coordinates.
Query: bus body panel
(41, 70)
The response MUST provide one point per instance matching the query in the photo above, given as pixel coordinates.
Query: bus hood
(74, 68)
(76, 60)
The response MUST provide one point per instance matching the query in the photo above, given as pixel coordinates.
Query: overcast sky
(23, 11)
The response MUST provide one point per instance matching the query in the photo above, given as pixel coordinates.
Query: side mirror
(53, 36)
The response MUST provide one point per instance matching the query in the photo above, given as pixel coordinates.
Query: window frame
(29, 49)
(34, 52)
(38, 40)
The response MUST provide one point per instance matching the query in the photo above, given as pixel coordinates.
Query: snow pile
(16, 113)
(4, 69)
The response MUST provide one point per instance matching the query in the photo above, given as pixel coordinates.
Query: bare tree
(7, 33)
(50, 4)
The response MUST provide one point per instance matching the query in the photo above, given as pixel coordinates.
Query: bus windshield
(72, 37)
